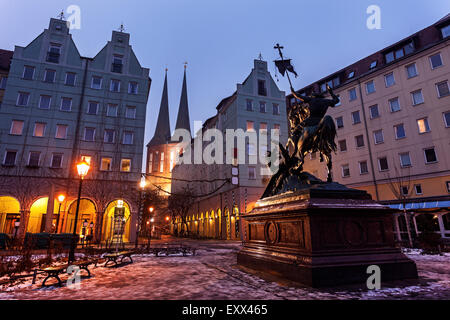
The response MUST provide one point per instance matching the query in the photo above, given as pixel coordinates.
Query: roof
(183, 121)
(225, 101)
(423, 39)
(5, 59)
(162, 131)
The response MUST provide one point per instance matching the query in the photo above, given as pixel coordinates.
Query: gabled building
(58, 108)
(225, 191)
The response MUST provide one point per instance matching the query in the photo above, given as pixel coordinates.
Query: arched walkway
(9, 213)
(86, 211)
(108, 221)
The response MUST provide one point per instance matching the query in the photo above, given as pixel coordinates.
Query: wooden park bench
(84, 265)
(172, 248)
(52, 272)
(113, 257)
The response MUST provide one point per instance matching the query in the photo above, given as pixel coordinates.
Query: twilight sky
(220, 38)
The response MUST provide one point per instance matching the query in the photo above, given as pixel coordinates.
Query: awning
(443, 205)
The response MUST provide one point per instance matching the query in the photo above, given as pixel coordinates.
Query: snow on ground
(213, 274)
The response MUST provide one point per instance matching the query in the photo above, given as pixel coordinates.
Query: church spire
(162, 131)
(183, 111)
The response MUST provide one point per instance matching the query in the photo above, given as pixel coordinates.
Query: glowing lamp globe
(83, 168)
(61, 198)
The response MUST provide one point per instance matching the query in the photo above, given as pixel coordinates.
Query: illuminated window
(250, 125)
(423, 125)
(150, 162)
(161, 162)
(125, 165)
(16, 127)
(105, 164)
(172, 160)
(61, 131)
(39, 129)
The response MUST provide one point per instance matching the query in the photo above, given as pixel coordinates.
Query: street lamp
(61, 199)
(85, 224)
(16, 227)
(142, 186)
(83, 169)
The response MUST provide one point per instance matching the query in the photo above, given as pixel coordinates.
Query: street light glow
(61, 198)
(83, 168)
(151, 209)
(143, 183)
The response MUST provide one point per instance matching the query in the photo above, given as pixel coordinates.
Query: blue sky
(220, 38)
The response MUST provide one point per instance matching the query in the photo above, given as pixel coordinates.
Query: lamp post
(61, 199)
(149, 222)
(142, 186)
(85, 224)
(16, 227)
(82, 168)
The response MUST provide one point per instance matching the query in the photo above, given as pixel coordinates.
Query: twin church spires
(162, 132)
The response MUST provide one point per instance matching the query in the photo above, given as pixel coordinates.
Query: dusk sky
(219, 39)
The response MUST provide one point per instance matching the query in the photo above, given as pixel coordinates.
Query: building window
(411, 71)
(343, 145)
(352, 94)
(389, 80)
(405, 160)
(363, 167)
(56, 161)
(378, 136)
(66, 104)
(115, 85)
(448, 186)
(249, 105)
(128, 137)
(399, 131)
(436, 61)
(53, 53)
(417, 97)
(404, 190)
(161, 162)
(423, 125)
(89, 134)
(117, 64)
(262, 107)
(10, 158)
(383, 164)
(16, 127)
(442, 89)
(418, 189)
(351, 75)
(340, 122)
(262, 88)
(130, 112)
(400, 52)
(373, 64)
(359, 141)
(250, 125)
(276, 109)
(44, 102)
(133, 88)
(150, 162)
(445, 31)
(430, 155)
(22, 99)
(92, 107)
(125, 165)
(370, 87)
(251, 173)
(263, 127)
(70, 79)
(276, 127)
(33, 158)
(111, 110)
(345, 171)
(109, 136)
(61, 131)
(28, 73)
(96, 83)
(3, 82)
(49, 76)
(374, 113)
(105, 164)
(39, 129)
(447, 119)
(394, 104)
(356, 117)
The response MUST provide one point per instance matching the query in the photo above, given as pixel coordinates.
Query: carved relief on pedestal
(271, 232)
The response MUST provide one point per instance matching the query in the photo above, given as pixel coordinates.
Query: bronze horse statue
(313, 131)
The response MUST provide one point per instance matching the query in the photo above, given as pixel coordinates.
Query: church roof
(183, 121)
(162, 131)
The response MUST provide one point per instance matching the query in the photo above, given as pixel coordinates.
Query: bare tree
(179, 206)
(401, 187)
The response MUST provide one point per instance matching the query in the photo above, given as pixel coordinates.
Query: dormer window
(58, 27)
(351, 75)
(399, 52)
(54, 52)
(373, 64)
(262, 88)
(445, 31)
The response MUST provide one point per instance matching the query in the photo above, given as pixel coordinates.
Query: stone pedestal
(323, 236)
